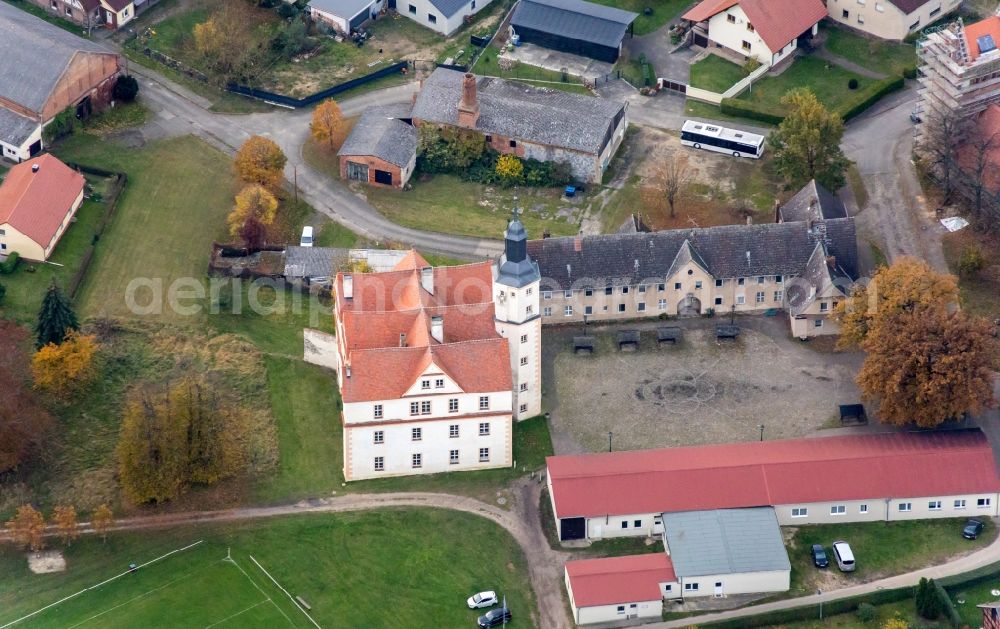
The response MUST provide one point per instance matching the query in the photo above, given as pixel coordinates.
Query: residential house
(766, 30)
(381, 148)
(890, 19)
(573, 26)
(86, 13)
(72, 73)
(38, 200)
(530, 122)
(434, 363)
(862, 478)
(991, 615)
(344, 15)
(689, 272)
(959, 70)
(117, 13)
(442, 16)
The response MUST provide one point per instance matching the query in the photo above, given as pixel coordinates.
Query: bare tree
(944, 136)
(979, 166)
(674, 177)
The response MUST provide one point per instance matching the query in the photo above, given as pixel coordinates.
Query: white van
(845, 558)
(307, 237)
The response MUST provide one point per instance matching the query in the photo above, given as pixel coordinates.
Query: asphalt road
(178, 112)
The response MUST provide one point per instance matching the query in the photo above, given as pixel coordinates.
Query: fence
(114, 193)
(288, 101)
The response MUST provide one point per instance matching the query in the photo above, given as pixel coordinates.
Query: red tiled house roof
(776, 21)
(36, 203)
(616, 580)
(773, 473)
(386, 330)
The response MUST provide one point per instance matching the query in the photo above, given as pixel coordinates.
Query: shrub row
(811, 612)
(947, 606)
(748, 109)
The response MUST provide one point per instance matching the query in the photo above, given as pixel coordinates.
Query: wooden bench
(583, 345)
(628, 340)
(671, 335)
(727, 331)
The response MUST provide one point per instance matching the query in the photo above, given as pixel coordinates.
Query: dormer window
(425, 384)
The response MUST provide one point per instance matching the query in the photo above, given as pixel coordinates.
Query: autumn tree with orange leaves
(927, 362)
(328, 125)
(27, 528)
(65, 520)
(67, 367)
(261, 161)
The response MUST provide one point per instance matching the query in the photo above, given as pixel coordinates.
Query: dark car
(494, 617)
(819, 556)
(972, 529)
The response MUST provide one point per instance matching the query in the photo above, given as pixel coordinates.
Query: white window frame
(484, 455)
(960, 503)
(377, 411)
(800, 512)
(416, 461)
(983, 503)
(378, 436)
(484, 429)
(863, 509)
(453, 405)
(838, 509)
(934, 505)
(453, 457)
(379, 463)
(416, 434)
(453, 431)
(484, 402)
(904, 507)
(568, 311)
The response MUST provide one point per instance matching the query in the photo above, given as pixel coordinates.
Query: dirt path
(544, 565)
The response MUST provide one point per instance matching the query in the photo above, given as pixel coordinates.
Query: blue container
(516, 40)
(570, 191)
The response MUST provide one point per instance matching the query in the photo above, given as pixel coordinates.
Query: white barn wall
(738, 583)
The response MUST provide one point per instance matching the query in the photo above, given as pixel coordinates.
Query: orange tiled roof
(36, 203)
(989, 26)
(384, 306)
(412, 260)
(776, 21)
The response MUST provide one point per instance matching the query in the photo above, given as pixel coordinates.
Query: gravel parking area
(699, 391)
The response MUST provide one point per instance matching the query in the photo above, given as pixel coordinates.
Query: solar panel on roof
(986, 44)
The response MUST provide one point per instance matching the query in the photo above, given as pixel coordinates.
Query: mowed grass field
(178, 194)
(385, 568)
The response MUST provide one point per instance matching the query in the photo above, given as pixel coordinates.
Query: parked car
(915, 117)
(482, 599)
(972, 529)
(819, 556)
(494, 617)
(307, 237)
(844, 556)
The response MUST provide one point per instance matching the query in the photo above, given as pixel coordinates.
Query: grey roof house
(528, 121)
(381, 148)
(812, 202)
(573, 26)
(344, 15)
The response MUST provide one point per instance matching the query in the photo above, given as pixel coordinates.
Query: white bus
(702, 135)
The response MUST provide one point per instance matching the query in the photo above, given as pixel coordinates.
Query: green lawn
(637, 73)
(715, 74)
(27, 285)
(879, 55)
(174, 205)
(882, 549)
(663, 12)
(541, 77)
(828, 83)
(355, 570)
(448, 204)
(709, 111)
(904, 609)
(972, 596)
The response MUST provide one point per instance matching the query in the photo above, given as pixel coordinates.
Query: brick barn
(381, 149)
(530, 122)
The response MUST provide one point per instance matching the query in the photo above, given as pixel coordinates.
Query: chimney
(777, 212)
(348, 287)
(34, 168)
(427, 279)
(437, 328)
(402, 339)
(468, 106)
(578, 244)
(831, 261)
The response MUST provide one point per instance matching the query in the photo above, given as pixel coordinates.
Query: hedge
(747, 109)
(868, 97)
(947, 606)
(811, 612)
(8, 265)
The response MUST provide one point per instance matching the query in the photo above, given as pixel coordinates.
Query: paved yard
(701, 391)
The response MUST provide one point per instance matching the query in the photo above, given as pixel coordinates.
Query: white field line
(259, 589)
(135, 598)
(93, 587)
(297, 606)
(231, 616)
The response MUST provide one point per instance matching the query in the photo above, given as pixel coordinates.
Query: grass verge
(660, 12)
(715, 74)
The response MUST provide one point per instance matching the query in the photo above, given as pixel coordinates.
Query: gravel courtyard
(699, 391)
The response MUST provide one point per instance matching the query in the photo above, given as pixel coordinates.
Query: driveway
(897, 218)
